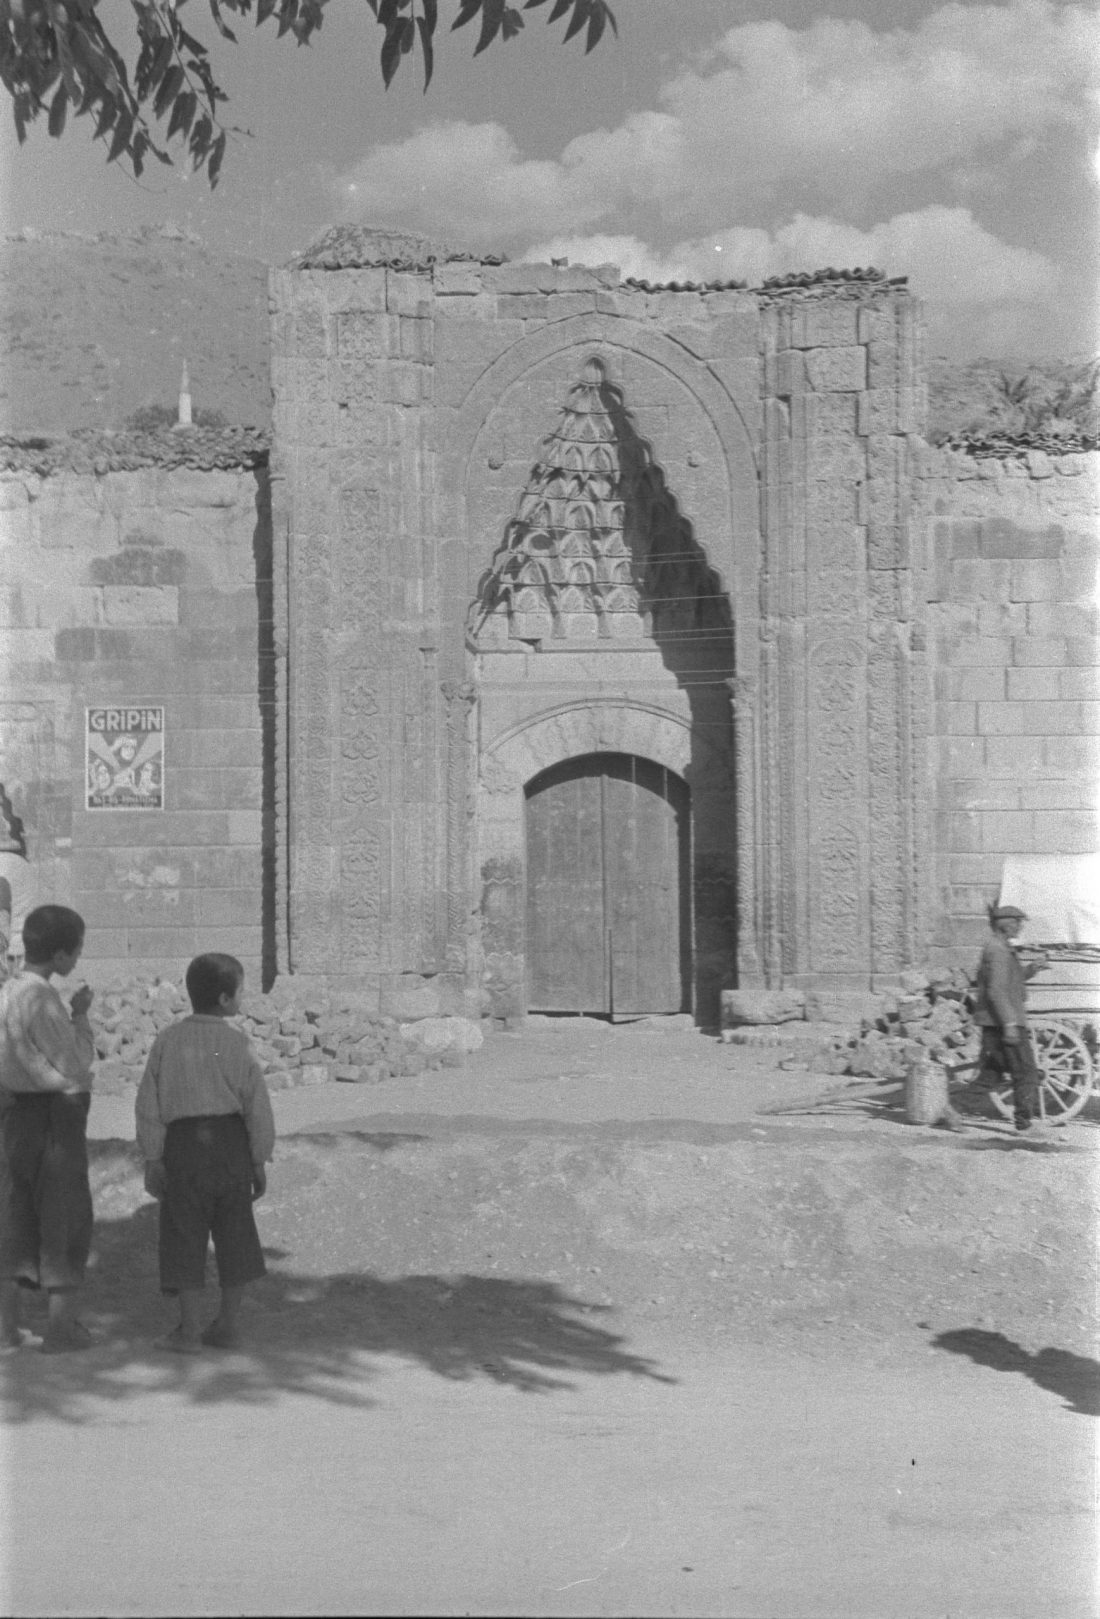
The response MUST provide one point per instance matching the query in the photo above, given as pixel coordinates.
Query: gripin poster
(124, 758)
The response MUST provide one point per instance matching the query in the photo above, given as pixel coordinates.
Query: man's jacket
(1000, 998)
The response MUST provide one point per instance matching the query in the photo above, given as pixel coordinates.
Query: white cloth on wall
(1060, 893)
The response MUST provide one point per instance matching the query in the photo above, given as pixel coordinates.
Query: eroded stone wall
(148, 586)
(1010, 548)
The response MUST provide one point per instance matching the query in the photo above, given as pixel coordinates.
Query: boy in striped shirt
(206, 1131)
(46, 1056)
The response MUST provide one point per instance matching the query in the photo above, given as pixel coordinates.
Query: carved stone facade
(531, 515)
(870, 663)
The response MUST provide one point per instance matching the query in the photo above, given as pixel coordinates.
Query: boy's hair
(48, 929)
(210, 977)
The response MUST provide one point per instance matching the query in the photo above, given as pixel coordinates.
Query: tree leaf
(511, 23)
(121, 138)
(391, 53)
(213, 168)
(182, 114)
(200, 139)
(162, 57)
(170, 87)
(219, 22)
(470, 9)
(98, 65)
(58, 108)
(425, 28)
(576, 21)
(492, 15)
(108, 112)
(264, 9)
(596, 25)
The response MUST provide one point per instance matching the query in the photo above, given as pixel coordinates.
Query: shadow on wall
(263, 557)
(687, 614)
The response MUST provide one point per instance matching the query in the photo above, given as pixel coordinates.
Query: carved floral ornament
(598, 547)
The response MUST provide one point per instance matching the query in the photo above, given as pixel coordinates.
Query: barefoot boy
(205, 1129)
(46, 1056)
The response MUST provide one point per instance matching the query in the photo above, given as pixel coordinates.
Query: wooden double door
(608, 887)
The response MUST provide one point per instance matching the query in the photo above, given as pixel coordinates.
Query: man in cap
(1001, 1014)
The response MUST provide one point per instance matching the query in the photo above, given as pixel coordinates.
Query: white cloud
(465, 181)
(837, 108)
(981, 292)
(946, 253)
(839, 102)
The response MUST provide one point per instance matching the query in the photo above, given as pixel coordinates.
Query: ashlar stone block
(539, 307)
(137, 604)
(359, 335)
(457, 280)
(408, 293)
(877, 324)
(824, 323)
(878, 411)
(836, 460)
(837, 370)
(311, 331)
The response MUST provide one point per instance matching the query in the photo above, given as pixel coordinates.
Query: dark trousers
(208, 1194)
(1000, 1060)
(45, 1199)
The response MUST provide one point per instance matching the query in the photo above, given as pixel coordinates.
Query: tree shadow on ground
(306, 1334)
(1074, 1378)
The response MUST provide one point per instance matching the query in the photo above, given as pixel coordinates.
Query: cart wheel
(1065, 1072)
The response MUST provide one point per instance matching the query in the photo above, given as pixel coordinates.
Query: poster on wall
(124, 759)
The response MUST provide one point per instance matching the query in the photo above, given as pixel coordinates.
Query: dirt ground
(584, 1327)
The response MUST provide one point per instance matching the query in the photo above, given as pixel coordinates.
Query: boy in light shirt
(46, 1056)
(206, 1131)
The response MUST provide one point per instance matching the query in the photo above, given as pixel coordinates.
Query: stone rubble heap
(301, 1037)
(863, 1034)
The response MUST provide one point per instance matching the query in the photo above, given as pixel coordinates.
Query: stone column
(837, 777)
(368, 759)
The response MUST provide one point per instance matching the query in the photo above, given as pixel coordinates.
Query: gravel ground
(564, 1186)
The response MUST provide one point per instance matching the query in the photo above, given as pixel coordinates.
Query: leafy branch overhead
(150, 91)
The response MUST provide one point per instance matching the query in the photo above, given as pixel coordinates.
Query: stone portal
(601, 591)
(525, 515)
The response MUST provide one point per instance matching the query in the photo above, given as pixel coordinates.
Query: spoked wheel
(1065, 1072)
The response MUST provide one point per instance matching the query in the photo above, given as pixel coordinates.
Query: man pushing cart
(1045, 927)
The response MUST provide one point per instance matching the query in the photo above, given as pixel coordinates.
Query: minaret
(184, 419)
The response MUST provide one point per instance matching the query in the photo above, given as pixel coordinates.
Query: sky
(956, 144)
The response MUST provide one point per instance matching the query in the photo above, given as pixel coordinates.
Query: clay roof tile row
(200, 449)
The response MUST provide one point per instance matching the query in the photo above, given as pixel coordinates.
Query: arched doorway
(608, 915)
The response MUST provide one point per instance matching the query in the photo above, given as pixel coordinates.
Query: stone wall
(142, 584)
(872, 662)
(1010, 548)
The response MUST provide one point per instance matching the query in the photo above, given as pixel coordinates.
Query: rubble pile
(300, 1037)
(863, 1034)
